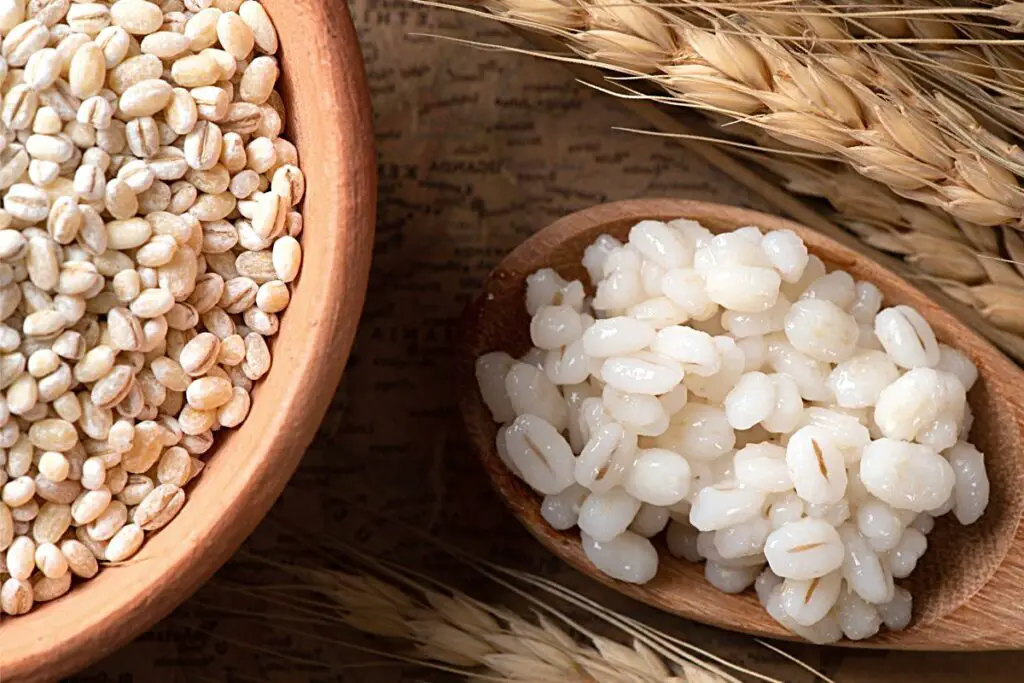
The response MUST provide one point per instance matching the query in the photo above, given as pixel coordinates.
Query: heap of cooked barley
(772, 417)
(147, 239)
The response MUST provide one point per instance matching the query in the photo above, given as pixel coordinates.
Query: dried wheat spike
(856, 103)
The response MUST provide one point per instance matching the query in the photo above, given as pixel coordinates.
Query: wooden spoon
(968, 588)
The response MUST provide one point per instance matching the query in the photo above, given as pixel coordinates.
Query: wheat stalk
(852, 104)
(858, 105)
(922, 179)
(447, 630)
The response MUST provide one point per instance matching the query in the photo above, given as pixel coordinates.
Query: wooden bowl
(329, 120)
(966, 587)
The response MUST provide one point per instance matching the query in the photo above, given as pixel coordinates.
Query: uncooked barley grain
(773, 418)
(135, 290)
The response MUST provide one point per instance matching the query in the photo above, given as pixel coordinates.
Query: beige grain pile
(147, 242)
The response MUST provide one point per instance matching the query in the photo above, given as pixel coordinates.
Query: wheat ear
(853, 104)
(978, 266)
(444, 629)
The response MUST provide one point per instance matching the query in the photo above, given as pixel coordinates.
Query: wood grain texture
(967, 586)
(330, 122)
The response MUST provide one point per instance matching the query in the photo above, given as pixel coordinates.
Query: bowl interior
(960, 560)
(329, 121)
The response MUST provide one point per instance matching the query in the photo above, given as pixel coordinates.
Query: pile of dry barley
(147, 242)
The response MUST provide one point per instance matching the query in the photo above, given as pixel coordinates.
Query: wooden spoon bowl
(329, 121)
(967, 585)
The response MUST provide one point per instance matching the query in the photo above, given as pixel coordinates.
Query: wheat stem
(453, 632)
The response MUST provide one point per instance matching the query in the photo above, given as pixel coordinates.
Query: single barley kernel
(54, 466)
(53, 435)
(145, 98)
(165, 44)
(125, 542)
(235, 35)
(156, 198)
(232, 413)
(23, 41)
(97, 548)
(53, 148)
(117, 477)
(182, 317)
(142, 136)
(21, 557)
(239, 294)
(138, 17)
(286, 258)
(201, 29)
(52, 522)
(137, 175)
(168, 163)
(264, 33)
(112, 139)
(81, 561)
(87, 72)
(257, 357)
(27, 203)
(151, 303)
(194, 421)
(261, 155)
(258, 80)
(203, 145)
(50, 561)
(136, 489)
(43, 173)
(120, 203)
(26, 512)
(12, 13)
(212, 207)
(45, 589)
(110, 521)
(242, 118)
(16, 596)
(125, 329)
(175, 467)
(208, 393)
(43, 69)
(83, 135)
(199, 355)
(64, 492)
(89, 505)
(192, 71)
(272, 297)
(88, 18)
(19, 458)
(181, 113)
(214, 180)
(160, 506)
(113, 387)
